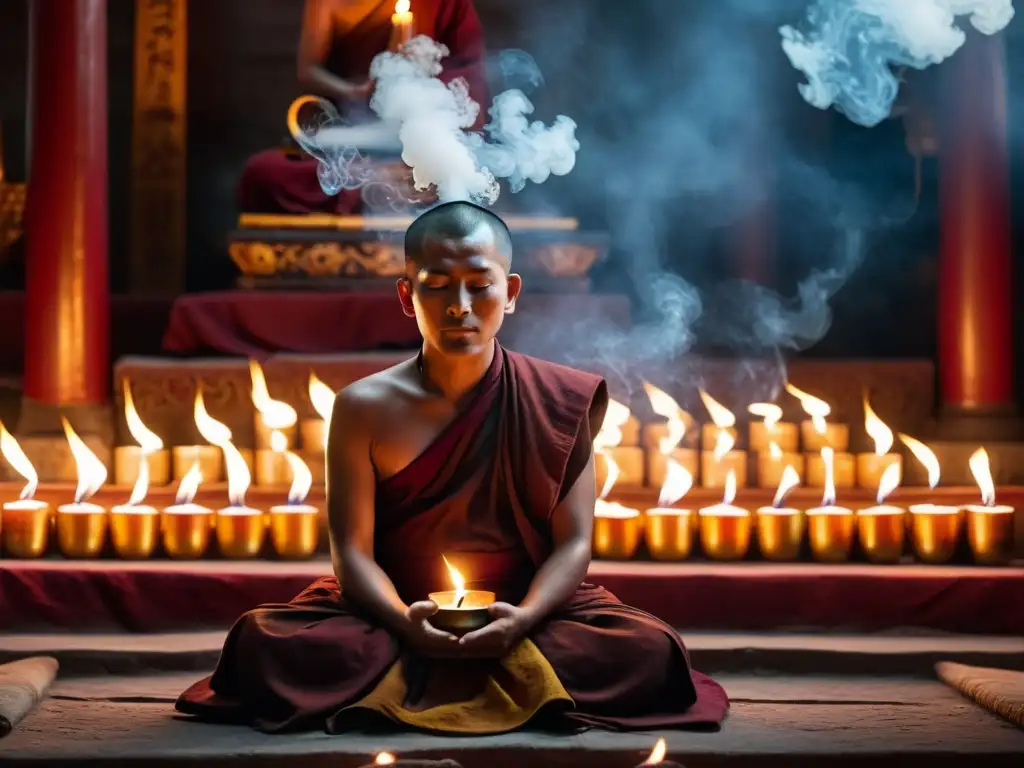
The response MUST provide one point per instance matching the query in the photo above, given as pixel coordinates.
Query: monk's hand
(424, 638)
(507, 627)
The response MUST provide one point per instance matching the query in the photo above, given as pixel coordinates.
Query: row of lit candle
(726, 531)
(657, 756)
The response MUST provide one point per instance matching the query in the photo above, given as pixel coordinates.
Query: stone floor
(775, 720)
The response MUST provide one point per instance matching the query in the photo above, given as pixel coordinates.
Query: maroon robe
(482, 494)
(282, 181)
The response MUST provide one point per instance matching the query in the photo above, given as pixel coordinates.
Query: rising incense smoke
(850, 47)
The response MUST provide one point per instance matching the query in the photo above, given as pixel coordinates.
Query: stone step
(808, 721)
(714, 653)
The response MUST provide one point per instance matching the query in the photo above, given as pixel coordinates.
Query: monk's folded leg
(287, 667)
(278, 182)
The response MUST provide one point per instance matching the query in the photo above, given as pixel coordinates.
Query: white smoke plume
(850, 47)
(432, 120)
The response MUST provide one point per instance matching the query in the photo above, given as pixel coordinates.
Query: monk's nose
(460, 306)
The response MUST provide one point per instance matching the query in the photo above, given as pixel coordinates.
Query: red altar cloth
(157, 595)
(253, 324)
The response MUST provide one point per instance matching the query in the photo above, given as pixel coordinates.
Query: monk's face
(459, 292)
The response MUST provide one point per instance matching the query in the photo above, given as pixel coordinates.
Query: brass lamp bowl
(81, 530)
(780, 532)
(882, 532)
(830, 532)
(617, 536)
(241, 532)
(990, 534)
(26, 529)
(470, 615)
(134, 531)
(725, 536)
(935, 532)
(295, 531)
(669, 533)
(186, 531)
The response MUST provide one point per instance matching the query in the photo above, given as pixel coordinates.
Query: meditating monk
(338, 42)
(476, 454)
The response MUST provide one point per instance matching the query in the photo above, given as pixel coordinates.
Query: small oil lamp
(663, 441)
(935, 528)
(882, 528)
(871, 466)
(817, 433)
(460, 610)
(612, 440)
(780, 530)
(241, 530)
(724, 527)
(128, 458)
(185, 525)
(401, 24)
(208, 457)
(773, 463)
(272, 416)
(989, 526)
(25, 523)
(657, 757)
(617, 528)
(717, 464)
(772, 430)
(295, 526)
(81, 526)
(668, 531)
(830, 528)
(135, 527)
(314, 431)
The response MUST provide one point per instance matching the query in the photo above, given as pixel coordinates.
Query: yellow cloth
(474, 697)
(997, 690)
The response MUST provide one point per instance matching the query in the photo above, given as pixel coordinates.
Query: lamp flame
(457, 581)
(322, 398)
(877, 430)
(888, 482)
(982, 471)
(401, 6)
(141, 486)
(611, 475)
(146, 438)
(678, 482)
(302, 478)
(789, 480)
(189, 485)
(664, 405)
(91, 472)
(275, 414)
(16, 457)
(775, 451)
(770, 412)
(723, 444)
(925, 455)
(615, 418)
(239, 477)
(814, 407)
(828, 498)
(657, 754)
(730, 488)
(386, 758)
(213, 431)
(723, 418)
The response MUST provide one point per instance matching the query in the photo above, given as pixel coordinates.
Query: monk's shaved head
(462, 223)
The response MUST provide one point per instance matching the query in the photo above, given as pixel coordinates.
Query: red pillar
(974, 324)
(67, 355)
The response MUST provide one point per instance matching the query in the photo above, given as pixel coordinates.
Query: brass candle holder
(185, 530)
(295, 531)
(780, 533)
(241, 532)
(461, 611)
(935, 532)
(669, 533)
(26, 528)
(830, 532)
(617, 531)
(725, 532)
(990, 533)
(134, 531)
(881, 531)
(81, 530)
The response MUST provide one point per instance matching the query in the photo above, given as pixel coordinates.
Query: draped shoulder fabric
(482, 495)
(278, 181)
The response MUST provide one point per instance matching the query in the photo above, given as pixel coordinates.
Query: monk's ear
(405, 296)
(515, 285)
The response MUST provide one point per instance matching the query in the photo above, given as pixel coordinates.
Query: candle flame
(678, 482)
(611, 474)
(730, 488)
(302, 478)
(664, 405)
(322, 398)
(615, 419)
(457, 581)
(925, 455)
(723, 444)
(982, 471)
(239, 477)
(888, 482)
(386, 758)
(91, 472)
(657, 754)
(189, 485)
(814, 407)
(212, 431)
(828, 498)
(774, 451)
(275, 414)
(877, 430)
(16, 457)
(770, 412)
(278, 441)
(720, 415)
(790, 479)
(141, 486)
(402, 6)
(146, 438)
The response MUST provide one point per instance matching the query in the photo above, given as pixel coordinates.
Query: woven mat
(997, 690)
(23, 684)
